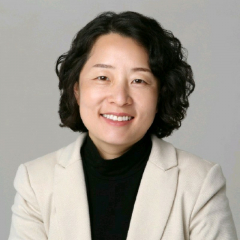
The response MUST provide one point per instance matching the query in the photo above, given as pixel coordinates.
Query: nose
(120, 95)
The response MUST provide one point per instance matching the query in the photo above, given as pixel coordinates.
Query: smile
(117, 118)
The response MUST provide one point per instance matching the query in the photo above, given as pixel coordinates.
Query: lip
(118, 114)
(117, 123)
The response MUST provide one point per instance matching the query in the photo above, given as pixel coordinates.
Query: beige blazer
(180, 197)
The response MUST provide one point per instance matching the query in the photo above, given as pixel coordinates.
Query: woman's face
(117, 93)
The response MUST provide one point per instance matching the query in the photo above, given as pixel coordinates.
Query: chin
(123, 140)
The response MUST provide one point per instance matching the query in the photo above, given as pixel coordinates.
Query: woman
(125, 85)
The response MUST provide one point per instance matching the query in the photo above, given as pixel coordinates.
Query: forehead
(119, 47)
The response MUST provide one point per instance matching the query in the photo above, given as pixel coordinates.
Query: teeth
(116, 118)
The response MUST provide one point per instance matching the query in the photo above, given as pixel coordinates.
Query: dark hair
(166, 60)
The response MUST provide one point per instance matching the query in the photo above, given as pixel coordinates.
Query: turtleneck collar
(121, 167)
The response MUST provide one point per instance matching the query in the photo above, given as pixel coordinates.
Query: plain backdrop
(34, 33)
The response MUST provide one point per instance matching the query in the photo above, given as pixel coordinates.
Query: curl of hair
(167, 61)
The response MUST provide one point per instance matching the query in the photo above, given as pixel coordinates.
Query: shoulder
(198, 179)
(196, 172)
(41, 170)
(200, 196)
(193, 170)
(188, 162)
(166, 156)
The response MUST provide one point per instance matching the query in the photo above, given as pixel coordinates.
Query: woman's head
(117, 93)
(165, 60)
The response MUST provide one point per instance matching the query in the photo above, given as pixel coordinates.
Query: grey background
(34, 33)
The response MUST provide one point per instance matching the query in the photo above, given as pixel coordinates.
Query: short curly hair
(167, 61)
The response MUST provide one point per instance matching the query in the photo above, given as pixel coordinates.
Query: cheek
(90, 98)
(148, 104)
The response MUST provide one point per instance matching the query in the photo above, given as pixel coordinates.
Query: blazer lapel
(156, 193)
(69, 194)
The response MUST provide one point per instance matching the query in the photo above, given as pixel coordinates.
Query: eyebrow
(100, 65)
(137, 69)
(141, 69)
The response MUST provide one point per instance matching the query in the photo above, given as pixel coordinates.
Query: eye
(103, 78)
(139, 81)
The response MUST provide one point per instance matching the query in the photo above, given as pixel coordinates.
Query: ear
(76, 91)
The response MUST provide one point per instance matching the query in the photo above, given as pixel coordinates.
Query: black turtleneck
(112, 186)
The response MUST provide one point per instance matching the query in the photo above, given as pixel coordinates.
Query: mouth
(122, 118)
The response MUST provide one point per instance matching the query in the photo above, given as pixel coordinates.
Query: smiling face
(117, 93)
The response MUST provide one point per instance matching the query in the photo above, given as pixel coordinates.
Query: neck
(111, 153)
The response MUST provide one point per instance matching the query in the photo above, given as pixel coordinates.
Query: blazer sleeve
(211, 217)
(27, 222)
